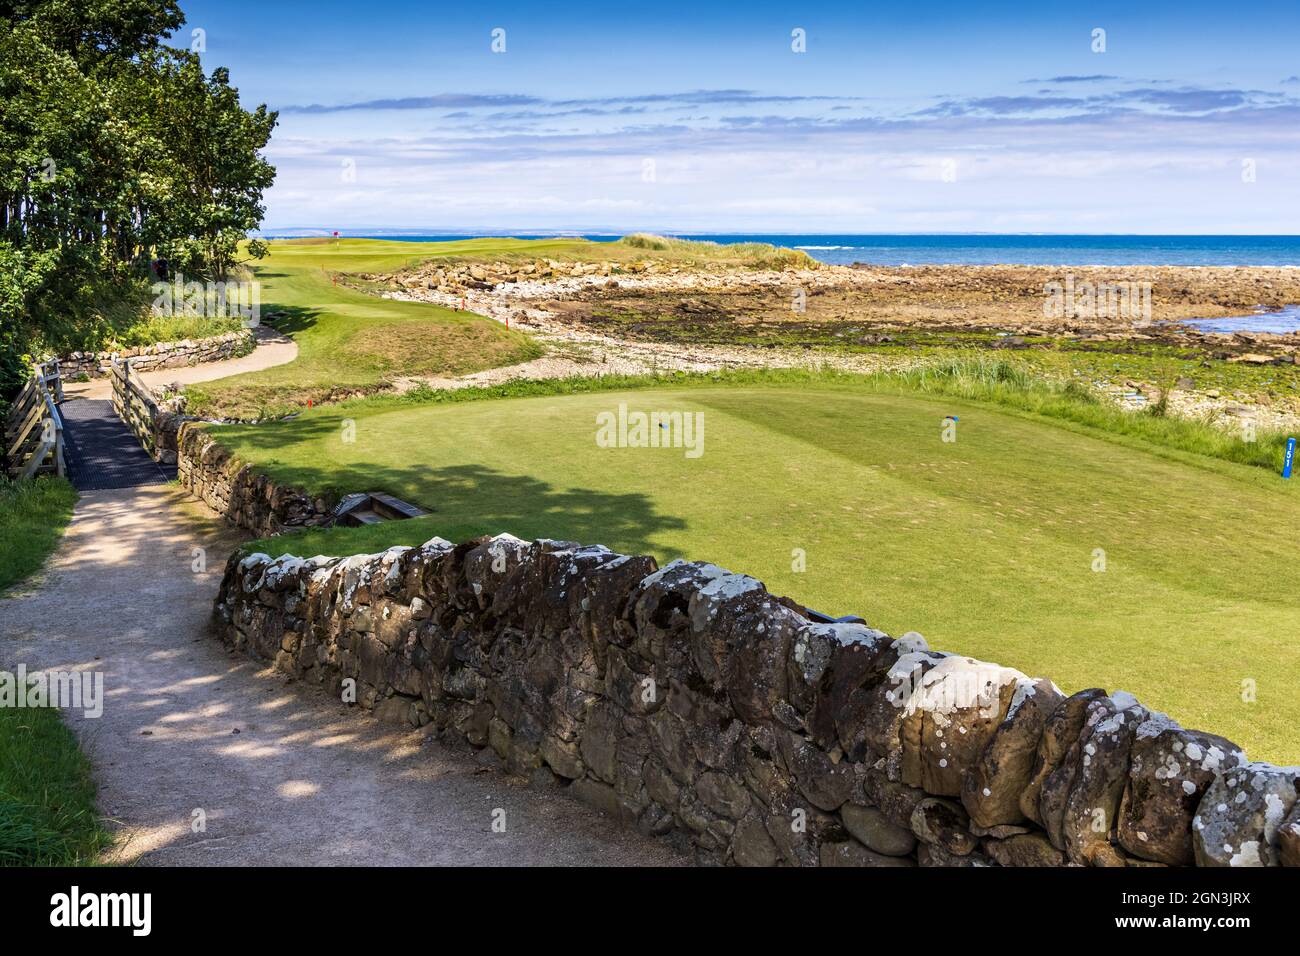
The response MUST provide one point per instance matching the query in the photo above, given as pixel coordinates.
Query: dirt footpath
(280, 774)
(273, 348)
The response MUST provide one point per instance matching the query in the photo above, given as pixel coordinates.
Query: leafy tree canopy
(116, 150)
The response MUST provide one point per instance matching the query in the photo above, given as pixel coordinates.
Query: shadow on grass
(290, 318)
(464, 500)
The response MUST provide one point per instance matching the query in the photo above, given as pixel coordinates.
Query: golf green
(1064, 552)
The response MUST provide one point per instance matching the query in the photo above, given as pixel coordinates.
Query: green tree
(115, 149)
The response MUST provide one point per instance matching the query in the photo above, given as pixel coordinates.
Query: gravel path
(272, 349)
(282, 774)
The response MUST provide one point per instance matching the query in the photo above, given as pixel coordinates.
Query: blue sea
(991, 249)
(999, 249)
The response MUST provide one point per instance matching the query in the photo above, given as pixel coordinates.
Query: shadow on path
(282, 774)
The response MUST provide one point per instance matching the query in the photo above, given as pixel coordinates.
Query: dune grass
(986, 545)
(754, 255)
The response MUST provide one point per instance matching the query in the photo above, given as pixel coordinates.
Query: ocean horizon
(916, 249)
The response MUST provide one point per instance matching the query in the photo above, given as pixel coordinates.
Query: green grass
(47, 797)
(353, 342)
(350, 342)
(33, 515)
(152, 329)
(757, 255)
(985, 545)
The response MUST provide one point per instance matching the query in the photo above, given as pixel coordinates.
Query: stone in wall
(161, 355)
(245, 498)
(691, 703)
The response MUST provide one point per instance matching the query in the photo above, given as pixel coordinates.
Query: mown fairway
(986, 545)
(350, 341)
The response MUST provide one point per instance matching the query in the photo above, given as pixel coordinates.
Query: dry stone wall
(249, 500)
(161, 355)
(692, 703)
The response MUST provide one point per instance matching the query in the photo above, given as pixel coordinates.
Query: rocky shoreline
(642, 317)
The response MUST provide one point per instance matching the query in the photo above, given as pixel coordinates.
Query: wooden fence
(33, 429)
(135, 405)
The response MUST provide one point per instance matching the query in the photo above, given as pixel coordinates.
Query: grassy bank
(47, 797)
(354, 342)
(33, 515)
(351, 341)
(987, 545)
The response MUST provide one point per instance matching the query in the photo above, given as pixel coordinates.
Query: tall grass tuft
(151, 329)
(47, 794)
(758, 255)
(1001, 383)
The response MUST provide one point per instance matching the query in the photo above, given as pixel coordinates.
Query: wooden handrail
(37, 403)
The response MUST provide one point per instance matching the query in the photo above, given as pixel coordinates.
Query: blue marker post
(1288, 458)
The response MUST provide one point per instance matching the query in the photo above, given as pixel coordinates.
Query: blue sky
(931, 116)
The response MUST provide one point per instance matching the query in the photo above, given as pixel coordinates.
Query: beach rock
(1170, 770)
(1241, 813)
